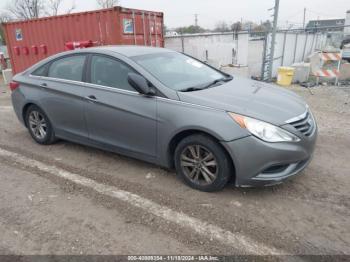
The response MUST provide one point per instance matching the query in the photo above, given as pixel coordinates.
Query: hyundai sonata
(170, 109)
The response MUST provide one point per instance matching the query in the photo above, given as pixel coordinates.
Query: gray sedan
(169, 109)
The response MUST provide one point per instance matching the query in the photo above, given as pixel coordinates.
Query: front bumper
(258, 163)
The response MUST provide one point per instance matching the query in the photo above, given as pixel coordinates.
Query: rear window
(69, 68)
(41, 71)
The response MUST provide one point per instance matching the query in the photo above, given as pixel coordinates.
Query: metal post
(134, 25)
(233, 41)
(155, 28)
(284, 47)
(307, 36)
(274, 30)
(182, 42)
(233, 56)
(316, 41)
(162, 41)
(264, 56)
(237, 49)
(144, 28)
(149, 28)
(295, 47)
(338, 68)
(312, 44)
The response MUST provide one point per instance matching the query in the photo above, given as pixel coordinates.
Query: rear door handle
(43, 85)
(91, 98)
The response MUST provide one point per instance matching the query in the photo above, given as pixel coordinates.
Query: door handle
(43, 85)
(91, 98)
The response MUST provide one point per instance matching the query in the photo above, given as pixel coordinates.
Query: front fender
(175, 117)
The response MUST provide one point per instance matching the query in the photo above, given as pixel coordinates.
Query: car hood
(250, 98)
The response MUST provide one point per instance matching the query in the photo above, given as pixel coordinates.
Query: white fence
(296, 47)
(228, 48)
(220, 49)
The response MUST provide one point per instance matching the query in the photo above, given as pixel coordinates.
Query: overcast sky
(210, 12)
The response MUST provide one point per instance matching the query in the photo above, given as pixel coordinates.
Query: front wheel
(202, 163)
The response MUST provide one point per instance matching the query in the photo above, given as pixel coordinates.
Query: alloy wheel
(37, 124)
(199, 164)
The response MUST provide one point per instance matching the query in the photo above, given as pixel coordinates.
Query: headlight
(263, 130)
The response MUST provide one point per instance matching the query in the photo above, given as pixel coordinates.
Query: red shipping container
(51, 35)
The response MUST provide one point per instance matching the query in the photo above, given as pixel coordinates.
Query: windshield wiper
(223, 79)
(190, 89)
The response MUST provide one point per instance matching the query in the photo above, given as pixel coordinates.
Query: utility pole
(304, 18)
(196, 20)
(271, 55)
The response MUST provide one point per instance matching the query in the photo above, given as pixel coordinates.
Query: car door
(117, 116)
(63, 96)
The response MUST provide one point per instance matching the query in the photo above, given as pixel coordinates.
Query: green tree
(192, 29)
(263, 27)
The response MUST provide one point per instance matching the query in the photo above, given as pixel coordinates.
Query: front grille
(305, 125)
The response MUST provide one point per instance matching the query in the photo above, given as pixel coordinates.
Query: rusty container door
(138, 27)
(33, 40)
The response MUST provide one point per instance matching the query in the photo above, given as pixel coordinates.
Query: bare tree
(4, 17)
(53, 7)
(222, 26)
(236, 27)
(26, 9)
(71, 9)
(107, 3)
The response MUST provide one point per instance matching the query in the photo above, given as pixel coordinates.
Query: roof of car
(125, 50)
(132, 50)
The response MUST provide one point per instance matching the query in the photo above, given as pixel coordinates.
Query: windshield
(177, 71)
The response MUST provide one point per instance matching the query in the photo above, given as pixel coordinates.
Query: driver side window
(110, 72)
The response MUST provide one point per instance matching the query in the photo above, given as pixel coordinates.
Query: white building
(171, 33)
(347, 24)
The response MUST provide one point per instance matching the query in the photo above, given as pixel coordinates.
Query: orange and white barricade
(331, 56)
(329, 71)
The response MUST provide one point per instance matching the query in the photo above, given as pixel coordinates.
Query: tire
(44, 134)
(193, 168)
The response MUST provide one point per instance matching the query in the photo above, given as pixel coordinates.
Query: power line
(321, 14)
(294, 15)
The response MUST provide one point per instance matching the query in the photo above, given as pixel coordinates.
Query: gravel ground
(40, 214)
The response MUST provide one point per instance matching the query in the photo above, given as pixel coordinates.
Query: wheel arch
(24, 111)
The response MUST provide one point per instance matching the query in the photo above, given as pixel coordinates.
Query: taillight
(13, 85)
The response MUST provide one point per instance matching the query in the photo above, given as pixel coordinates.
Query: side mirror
(140, 84)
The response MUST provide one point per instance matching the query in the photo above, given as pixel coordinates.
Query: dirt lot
(41, 213)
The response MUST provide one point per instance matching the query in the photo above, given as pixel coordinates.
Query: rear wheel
(202, 163)
(39, 126)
